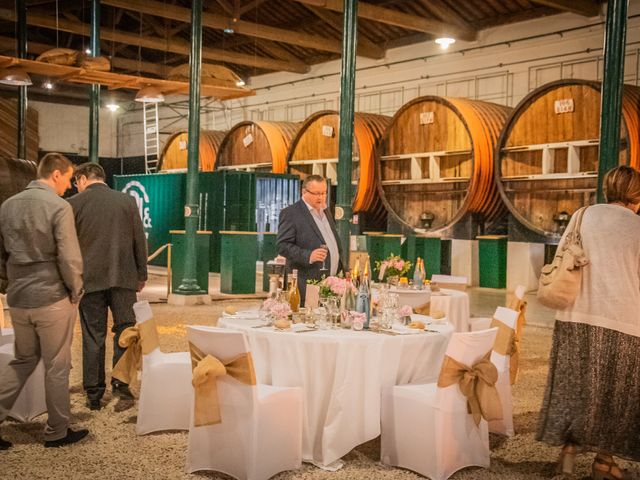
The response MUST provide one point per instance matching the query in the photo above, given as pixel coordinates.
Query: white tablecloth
(407, 296)
(342, 373)
(455, 305)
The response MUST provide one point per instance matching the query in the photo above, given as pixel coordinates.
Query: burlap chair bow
(519, 306)
(477, 383)
(206, 370)
(139, 340)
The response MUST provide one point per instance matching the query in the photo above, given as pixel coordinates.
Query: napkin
(404, 330)
(299, 326)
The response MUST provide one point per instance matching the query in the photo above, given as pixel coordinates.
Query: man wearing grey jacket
(41, 271)
(114, 251)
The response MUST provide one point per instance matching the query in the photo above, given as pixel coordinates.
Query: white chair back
(450, 281)
(507, 316)
(142, 311)
(236, 399)
(466, 348)
(520, 291)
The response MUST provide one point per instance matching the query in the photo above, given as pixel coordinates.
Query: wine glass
(324, 268)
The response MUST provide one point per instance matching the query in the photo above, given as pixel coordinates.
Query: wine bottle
(294, 292)
(348, 301)
(363, 300)
(356, 274)
(418, 275)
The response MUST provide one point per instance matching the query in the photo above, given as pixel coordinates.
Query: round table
(341, 373)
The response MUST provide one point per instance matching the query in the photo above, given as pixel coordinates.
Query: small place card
(427, 118)
(182, 144)
(247, 140)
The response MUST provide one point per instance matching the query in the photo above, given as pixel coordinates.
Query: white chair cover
(503, 385)
(261, 429)
(6, 336)
(427, 429)
(450, 281)
(165, 386)
(31, 400)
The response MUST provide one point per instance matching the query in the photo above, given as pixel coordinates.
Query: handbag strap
(577, 238)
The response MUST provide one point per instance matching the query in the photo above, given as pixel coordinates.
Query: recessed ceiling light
(113, 107)
(444, 42)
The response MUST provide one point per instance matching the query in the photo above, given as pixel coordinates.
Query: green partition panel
(493, 260)
(380, 246)
(430, 249)
(177, 258)
(238, 256)
(160, 199)
(267, 250)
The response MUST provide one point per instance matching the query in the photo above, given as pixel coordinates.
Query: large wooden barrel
(15, 175)
(436, 163)
(174, 153)
(315, 151)
(257, 146)
(547, 154)
(9, 129)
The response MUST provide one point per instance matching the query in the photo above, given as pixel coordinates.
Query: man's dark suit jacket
(112, 239)
(298, 236)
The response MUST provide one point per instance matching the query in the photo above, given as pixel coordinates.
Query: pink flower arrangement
(392, 266)
(405, 311)
(276, 309)
(332, 286)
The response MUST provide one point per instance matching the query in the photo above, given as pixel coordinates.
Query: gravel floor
(113, 450)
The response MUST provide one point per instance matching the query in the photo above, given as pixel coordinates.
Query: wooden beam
(8, 44)
(366, 47)
(155, 43)
(399, 19)
(444, 11)
(586, 8)
(220, 22)
(249, 6)
(226, 6)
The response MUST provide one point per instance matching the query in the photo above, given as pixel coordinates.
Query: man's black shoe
(122, 390)
(5, 444)
(94, 404)
(72, 437)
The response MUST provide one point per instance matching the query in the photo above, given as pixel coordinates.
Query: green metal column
(22, 91)
(94, 102)
(345, 152)
(611, 107)
(189, 285)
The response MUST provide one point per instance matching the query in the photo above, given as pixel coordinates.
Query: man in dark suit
(307, 235)
(114, 251)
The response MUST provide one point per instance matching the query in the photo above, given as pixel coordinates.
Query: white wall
(65, 128)
(502, 66)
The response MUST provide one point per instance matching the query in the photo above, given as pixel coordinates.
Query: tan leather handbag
(560, 280)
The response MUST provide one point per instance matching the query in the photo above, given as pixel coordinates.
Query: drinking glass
(324, 268)
(333, 310)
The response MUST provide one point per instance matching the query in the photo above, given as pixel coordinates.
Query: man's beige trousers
(46, 333)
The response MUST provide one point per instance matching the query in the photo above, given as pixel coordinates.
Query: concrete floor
(483, 301)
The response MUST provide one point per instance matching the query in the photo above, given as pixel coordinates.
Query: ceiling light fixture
(88, 51)
(149, 94)
(48, 85)
(112, 107)
(228, 30)
(444, 42)
(15, 76)
(240, 83)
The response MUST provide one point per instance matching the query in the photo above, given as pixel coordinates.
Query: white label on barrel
(187, 211)
(248, 140)
(183, 144)
(563, 106)
(426, 118)
(327, 130)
